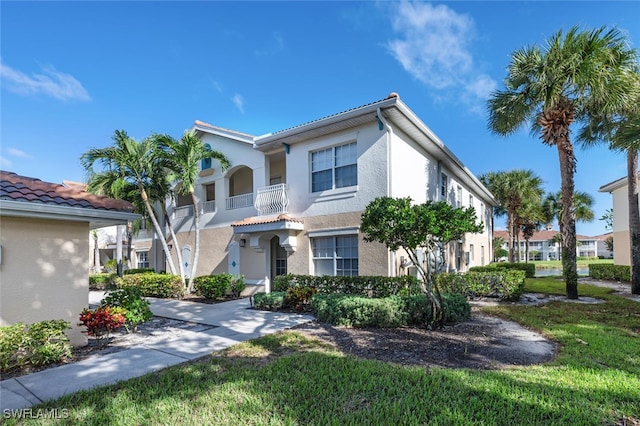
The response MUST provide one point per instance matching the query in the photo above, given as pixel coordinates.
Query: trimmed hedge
(101, 281)
(608, 271)
(388, 312)
(367, 286)
(153, 285)
(507, 285)
(269, 301)
(213, 286)
(528, 268)
(139, 271)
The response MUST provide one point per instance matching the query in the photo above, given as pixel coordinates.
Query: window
(444, 186)
(210, 191)
(143, 259)
(471, 252)
(206, 162)
(334, 168)
(335, 255)
(459, 201)
(470, 200)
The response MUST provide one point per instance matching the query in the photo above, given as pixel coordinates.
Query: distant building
(543, 247)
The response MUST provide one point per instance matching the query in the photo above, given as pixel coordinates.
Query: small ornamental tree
(398, 224)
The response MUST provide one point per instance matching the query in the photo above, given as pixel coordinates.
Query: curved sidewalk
(234, 322)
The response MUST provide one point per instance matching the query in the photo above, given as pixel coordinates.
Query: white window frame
(444, 186)
(334, 167)
(334, 241)
(146, 261)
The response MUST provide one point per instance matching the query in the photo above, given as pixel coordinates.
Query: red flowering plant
(102, 321)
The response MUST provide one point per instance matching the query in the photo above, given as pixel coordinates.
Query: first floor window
(143, 259)
(335, 255)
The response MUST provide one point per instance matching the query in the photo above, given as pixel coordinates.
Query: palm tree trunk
(634, 219)
(176, 244)
(156, 227)
(510, 228)
(196, 226)
(568, 227)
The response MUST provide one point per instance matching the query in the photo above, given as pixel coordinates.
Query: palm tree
(513, 189)
(622, 132)
(552, 208)
(183, 159)
(127, 162)
(576, 75)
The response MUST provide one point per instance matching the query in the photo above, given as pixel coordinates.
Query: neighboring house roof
(30, 197)
(268, 219)
(616, 184)
(215, 130)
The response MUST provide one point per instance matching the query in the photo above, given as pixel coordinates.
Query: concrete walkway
(234, 322)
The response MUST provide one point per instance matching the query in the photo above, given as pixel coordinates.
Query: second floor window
(206, 162)
(443, 186)
(335, 167)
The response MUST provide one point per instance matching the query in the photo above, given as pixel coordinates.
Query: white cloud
(433, 45)
(217, 86)
(15, 152)
(238, 101)
(5, 163)
(275, 46)
(51, 82)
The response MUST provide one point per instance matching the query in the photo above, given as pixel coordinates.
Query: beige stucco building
(619, 189)
(44, 249)
(291, 202)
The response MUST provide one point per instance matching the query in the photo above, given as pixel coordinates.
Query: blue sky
(72, 73)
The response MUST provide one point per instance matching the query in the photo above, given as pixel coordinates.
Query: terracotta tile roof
(21, 188)
(269, 219)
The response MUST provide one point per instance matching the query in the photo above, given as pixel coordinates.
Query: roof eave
(96, 218)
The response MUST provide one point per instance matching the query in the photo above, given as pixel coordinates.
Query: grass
(553, 264)
(288, 379)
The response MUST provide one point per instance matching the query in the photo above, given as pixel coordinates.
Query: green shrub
(111, 266)
(608, 271)
(238, 286)
(368, 286)
(418, 309)
(528, 268)
(153, 285)
(269, 301)
(40, 343)
(213, 286)
(101, 281)
(139, 271)
(456, 308)
(297, 297)
(136, 307)
(359, 312)
(507, 285)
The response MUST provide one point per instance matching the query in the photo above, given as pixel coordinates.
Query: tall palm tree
(183, 158)
(575, 75)
(622, 131)
(513, 189)
(127, 162)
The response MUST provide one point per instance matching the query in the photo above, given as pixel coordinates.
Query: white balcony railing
(272, 200)
(183, 211)
(240, 201)
(209, 206)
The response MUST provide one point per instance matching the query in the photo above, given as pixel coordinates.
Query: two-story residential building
(619, 189)
(291, 202)
(543, 245)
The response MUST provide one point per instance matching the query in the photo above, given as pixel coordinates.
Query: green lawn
(287, 379)
(558, 263)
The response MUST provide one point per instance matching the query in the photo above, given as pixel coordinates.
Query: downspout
(382, 124)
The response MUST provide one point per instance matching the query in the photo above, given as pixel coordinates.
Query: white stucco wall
(44, 273)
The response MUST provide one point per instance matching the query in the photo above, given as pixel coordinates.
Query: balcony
(240, 201)
(272, 200)
(183, 211)
(209, 206)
